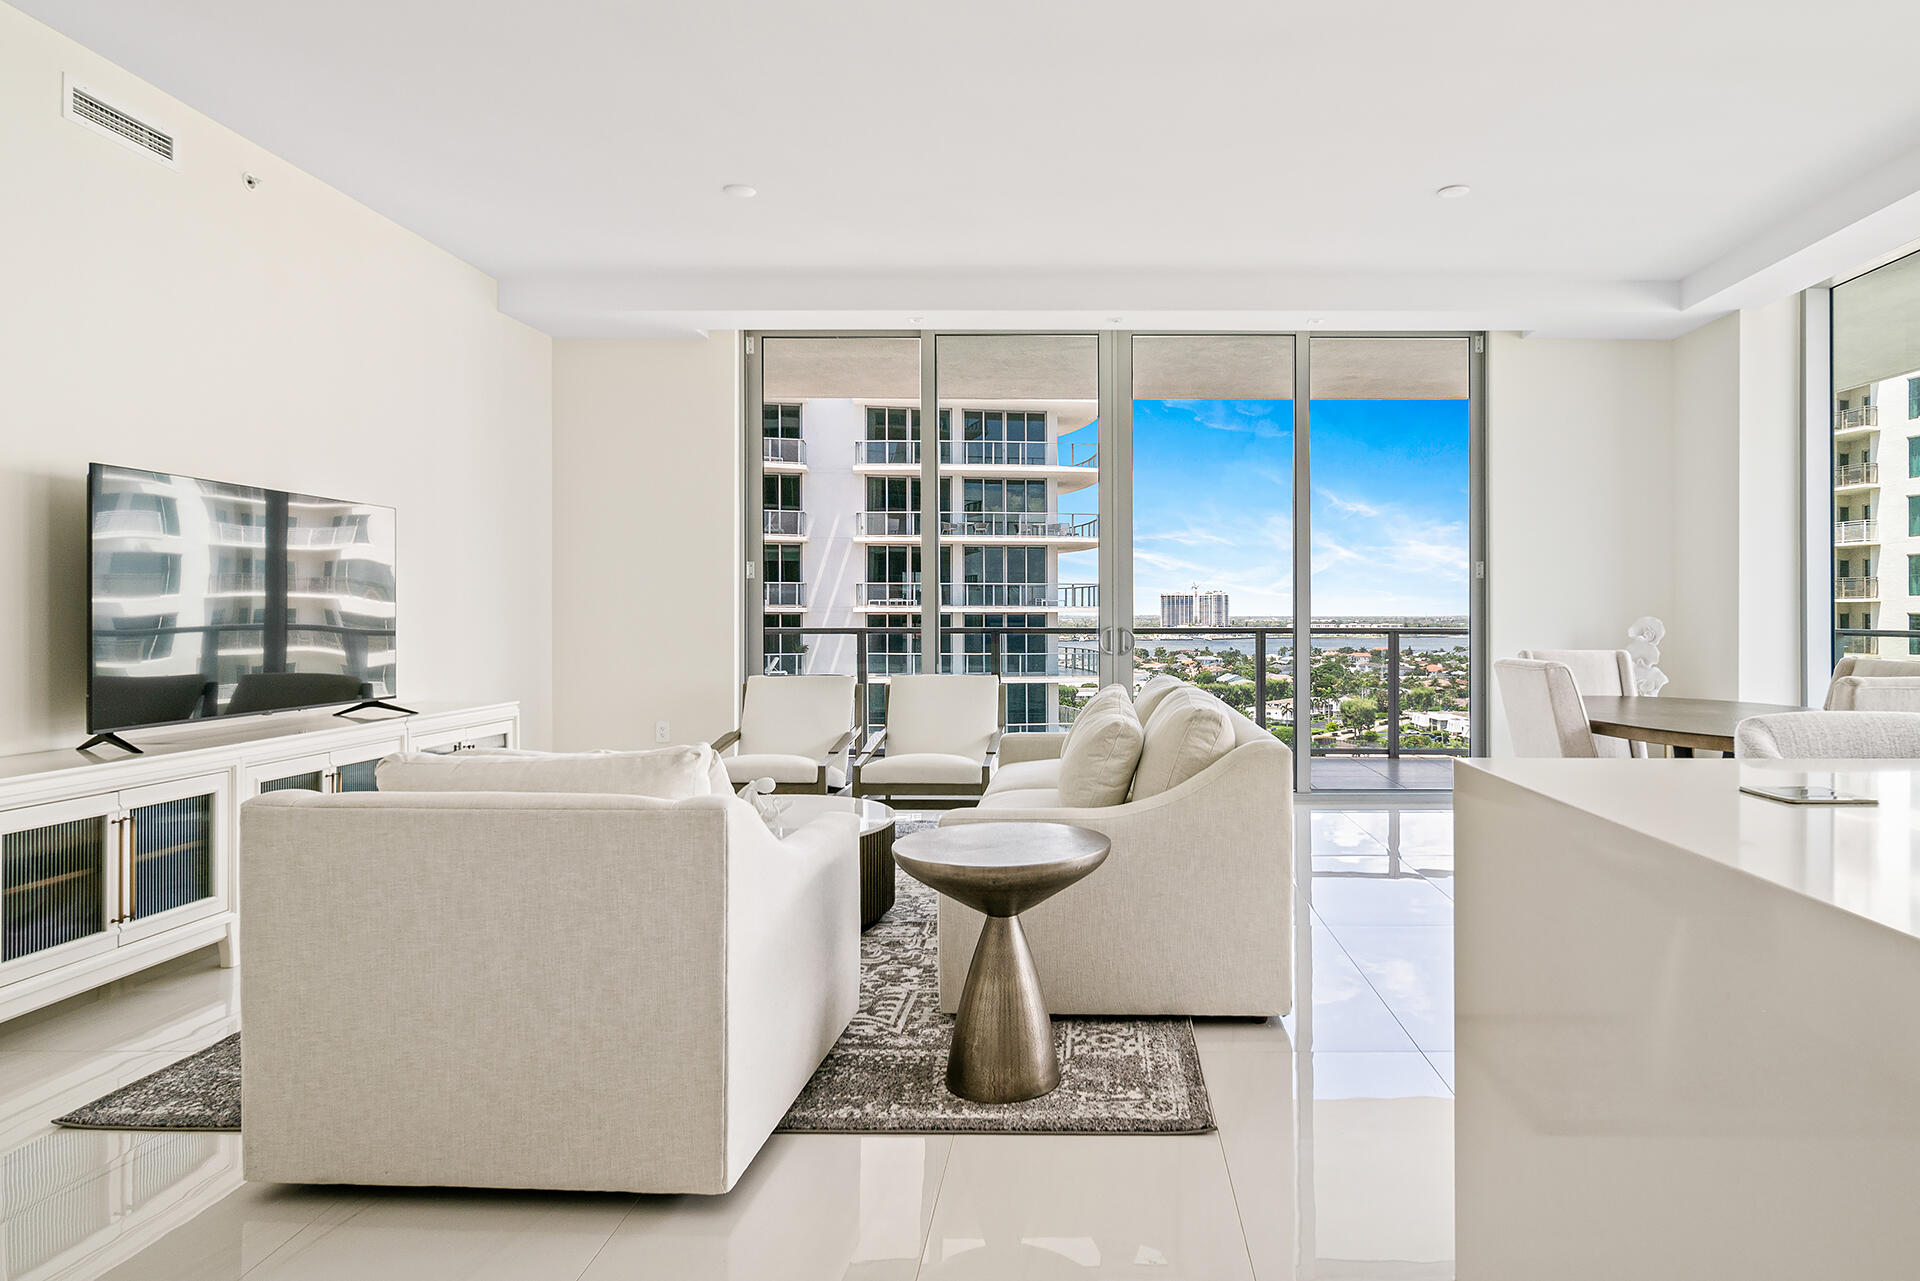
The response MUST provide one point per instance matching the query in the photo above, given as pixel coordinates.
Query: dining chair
(1853, 669)
(1874, 694)
(1607, 672)
(1829, 736)
(795, 730)
(1544, 711)
(940, 740)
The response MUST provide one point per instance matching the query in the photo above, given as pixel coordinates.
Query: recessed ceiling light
(914, 320)
(1316, 320)
(740, 190)
(1113, 320)
(1454, 192)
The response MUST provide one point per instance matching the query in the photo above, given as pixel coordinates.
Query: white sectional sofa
(528, 989)
(1192, 913)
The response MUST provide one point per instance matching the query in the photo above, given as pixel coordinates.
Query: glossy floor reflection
(1333, 1158)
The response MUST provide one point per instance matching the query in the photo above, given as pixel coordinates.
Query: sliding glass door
(1068, 510)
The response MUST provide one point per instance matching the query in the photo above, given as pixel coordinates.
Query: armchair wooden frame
(932, 796)
(818, 787)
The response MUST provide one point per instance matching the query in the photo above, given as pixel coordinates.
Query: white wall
(1771, 572)
(648, 554)
(1579, 500)
(1701, 654)
(285, 337)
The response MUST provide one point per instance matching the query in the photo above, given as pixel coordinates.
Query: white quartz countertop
(1864, 860)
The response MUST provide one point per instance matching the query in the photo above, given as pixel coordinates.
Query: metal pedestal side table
(1002, 1038)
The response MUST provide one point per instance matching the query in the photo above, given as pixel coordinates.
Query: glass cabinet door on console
(59, 867)
(170, 871)
(82, 877)
(348, 770)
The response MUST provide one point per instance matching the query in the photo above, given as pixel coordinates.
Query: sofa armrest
(1031, 747)
(726, 740)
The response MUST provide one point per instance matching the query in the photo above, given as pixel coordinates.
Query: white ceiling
(1637, 167)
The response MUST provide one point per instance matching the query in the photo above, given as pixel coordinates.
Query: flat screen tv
(210, 599)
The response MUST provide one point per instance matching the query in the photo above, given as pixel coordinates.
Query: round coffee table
(1002, 1038)
(876, 842)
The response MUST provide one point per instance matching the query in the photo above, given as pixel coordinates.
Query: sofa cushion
(1023, 798)
(921, 767)
(1156, 688)
(671, 773)
(1097, 763)
(1189, 730)
(1025, 774)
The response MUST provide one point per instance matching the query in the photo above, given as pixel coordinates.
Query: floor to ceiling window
(1102, 507)
(1876, 462)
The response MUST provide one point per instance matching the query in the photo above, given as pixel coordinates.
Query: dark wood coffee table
(876, 843)
(1002, 1037)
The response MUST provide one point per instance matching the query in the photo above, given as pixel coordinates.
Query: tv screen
(210, 599)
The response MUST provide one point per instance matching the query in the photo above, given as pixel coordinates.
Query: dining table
(1683, 725)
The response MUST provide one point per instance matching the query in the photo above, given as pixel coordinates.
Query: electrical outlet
(660, 732)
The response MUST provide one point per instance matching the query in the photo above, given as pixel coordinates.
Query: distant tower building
(1194, 608)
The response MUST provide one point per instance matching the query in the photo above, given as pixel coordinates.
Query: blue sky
(1214, 495)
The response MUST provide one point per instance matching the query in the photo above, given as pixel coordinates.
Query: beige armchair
(1544, 711)
(939, 743)
(795, 730)
(1597, 671)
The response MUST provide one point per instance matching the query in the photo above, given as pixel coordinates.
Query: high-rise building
(1194, 609)
(841, 528)
(1876, 514)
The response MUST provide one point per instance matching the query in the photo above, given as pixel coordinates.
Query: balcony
(783, 453)
(1853, 533)
(1071, 530)
(886, 596)
(785, 595)
(882, 525)
(886, 453)
(1856, 589)
(129, 523)
(1027, 527)
(1021, 596)
(783, 525)
(1864, 418)
(1856, 474)
(1071, 465)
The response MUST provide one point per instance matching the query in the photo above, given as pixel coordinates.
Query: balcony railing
(783, 521)
(980, 453)
(1855, 419)
(1856, 474)
(881, 452)
(1020, 525)
(130, 521)
(786, 595)
(1856, 589)
(886, 524)
(1847, 533)
(1410, 683)
(322, 535)
(903, 595)
(998, 596)
(783, 449)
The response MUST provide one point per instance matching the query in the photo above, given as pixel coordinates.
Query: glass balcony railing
(786, 595)
(1856, 419)
(783, 522)
(783, 449)
(886, 524)
(902, 595)
(1850, 533)
(1856, 474)
(1856, 589)
(1034, 525)
(980, 453)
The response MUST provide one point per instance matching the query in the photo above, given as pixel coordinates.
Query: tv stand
(373, 705)
(108, 740)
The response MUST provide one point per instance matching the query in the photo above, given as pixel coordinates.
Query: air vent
(87, 108)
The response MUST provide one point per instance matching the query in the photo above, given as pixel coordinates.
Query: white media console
(110, 864)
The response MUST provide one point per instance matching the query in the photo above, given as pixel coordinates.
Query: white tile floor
(1334, 1155)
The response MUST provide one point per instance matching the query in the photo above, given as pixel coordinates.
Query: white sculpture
(1643, 647)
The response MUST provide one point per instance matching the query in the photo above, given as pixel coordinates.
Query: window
(1913, 625)
(1913, 457)
(780, 493)
(1913, 397)
(780, 422)
(997, 437)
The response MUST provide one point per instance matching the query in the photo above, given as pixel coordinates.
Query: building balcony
(783, 454)
(1014, 667)
(785, 595)
(1072, 466)
(782, 525)
(1856, 589)
(130, 523)
(1071, 530)
(996, 597)
(885, 453)
(1863, 418)
(1853, 533)
(889, 597)
(1855, 475)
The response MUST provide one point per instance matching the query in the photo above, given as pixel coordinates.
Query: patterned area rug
(887, 1075)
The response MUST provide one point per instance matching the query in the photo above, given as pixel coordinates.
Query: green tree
(1359, 714)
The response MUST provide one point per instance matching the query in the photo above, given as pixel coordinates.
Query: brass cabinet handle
(133, 866)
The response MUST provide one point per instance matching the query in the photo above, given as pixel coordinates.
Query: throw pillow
(1152, 692)
(671, 773)
(1101, 751)
(1189, 730)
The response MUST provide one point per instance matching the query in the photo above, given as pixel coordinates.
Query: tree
(1283, 732)
(1359, 714)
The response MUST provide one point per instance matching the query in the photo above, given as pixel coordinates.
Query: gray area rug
(887, 1074)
